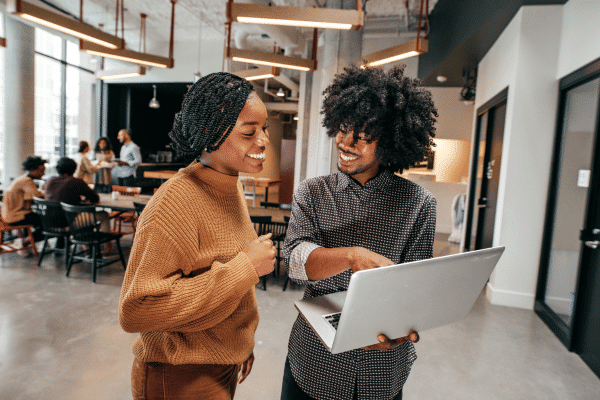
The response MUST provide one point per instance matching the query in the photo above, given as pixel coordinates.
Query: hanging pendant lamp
(154, 103)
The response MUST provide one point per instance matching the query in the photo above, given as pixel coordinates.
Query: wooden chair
(11, 247)
(126, 217)
(84, 228)
(54, 225)
(249, 185)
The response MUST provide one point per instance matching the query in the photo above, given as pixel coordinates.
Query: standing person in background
(363, 217)
(104, 154)
(129, 158)
(189, 284)
(85, 170)
(16, 204)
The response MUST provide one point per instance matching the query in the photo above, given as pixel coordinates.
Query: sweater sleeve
(158, 295)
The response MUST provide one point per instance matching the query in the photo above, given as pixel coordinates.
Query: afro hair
(384, 106)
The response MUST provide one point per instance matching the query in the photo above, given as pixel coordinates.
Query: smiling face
(244, 148)
(102, 144)
(357, 158)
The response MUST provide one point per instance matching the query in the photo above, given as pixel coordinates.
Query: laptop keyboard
(333, 319)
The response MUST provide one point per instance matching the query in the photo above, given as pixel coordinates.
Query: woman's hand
(261, 253)
(386, 344)
(246, 368)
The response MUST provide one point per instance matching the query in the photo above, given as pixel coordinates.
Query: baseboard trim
(509, 299)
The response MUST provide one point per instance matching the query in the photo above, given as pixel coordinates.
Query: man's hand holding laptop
(359, 259)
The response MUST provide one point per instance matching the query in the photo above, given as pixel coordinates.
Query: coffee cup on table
(115, 195)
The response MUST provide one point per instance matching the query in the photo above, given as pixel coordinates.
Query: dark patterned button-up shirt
(391, 216)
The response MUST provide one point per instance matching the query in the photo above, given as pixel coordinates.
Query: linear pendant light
(63, 24)
(325, 18)
(126, 55)
(121, 73)
(412, 48)
(271, 59)
(134, 56)
(265, 72)
(391, 54)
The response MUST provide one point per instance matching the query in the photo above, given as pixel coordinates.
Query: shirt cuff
(297, 264)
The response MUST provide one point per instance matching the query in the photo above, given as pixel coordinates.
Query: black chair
(54, 225)
(84, 228)
(260, 226)
(278, 231)
(139, 207)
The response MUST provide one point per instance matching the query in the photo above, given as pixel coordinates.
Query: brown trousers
(154, 381)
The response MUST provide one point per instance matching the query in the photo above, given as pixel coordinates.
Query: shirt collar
(383, 180)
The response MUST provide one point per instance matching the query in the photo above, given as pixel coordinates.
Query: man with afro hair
(363, 217)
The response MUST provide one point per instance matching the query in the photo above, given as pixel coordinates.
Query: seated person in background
(66, 188)
(85, 170)
(16, 207)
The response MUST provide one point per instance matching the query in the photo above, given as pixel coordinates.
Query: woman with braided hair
(189, 285)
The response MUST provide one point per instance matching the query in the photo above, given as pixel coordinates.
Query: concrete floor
(60, 339)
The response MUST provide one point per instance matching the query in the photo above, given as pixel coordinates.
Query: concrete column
(19, 95)
(303, 127)
(340, 50)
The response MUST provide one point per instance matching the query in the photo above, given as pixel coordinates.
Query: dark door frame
(568, 335)
(471, 206)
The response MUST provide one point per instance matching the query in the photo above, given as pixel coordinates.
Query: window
(64, 88)
(2, 101)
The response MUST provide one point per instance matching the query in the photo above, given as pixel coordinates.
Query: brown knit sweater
(189, 288)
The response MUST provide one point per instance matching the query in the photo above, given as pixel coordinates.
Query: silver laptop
(398, 299)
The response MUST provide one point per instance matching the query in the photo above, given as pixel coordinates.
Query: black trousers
(291, 391)
(35, 220)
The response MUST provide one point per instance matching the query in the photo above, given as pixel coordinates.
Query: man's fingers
(414, 337)
(265, 237)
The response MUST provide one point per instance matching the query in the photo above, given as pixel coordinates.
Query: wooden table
(166, 174)
(267, 183)
(123, 203)
(260, 182)
(276, 213)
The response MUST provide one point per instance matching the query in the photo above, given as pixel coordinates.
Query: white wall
(540, 44)
(579, 44)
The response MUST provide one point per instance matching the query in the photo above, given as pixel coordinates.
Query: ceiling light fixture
(273, 59)
(325, 18)
(412, 48)
(254, 74)
(154, 103)
(280, 93)
(120, 73)
(64, 24)
(467, 93)
(134, 56)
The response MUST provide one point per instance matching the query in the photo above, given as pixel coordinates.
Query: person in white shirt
(130, 157)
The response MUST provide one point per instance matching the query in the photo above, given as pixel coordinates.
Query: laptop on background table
(395, 300)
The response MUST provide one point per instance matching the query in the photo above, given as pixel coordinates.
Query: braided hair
(208, 114)
(386, 106)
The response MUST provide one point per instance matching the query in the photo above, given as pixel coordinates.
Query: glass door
(568, 285)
